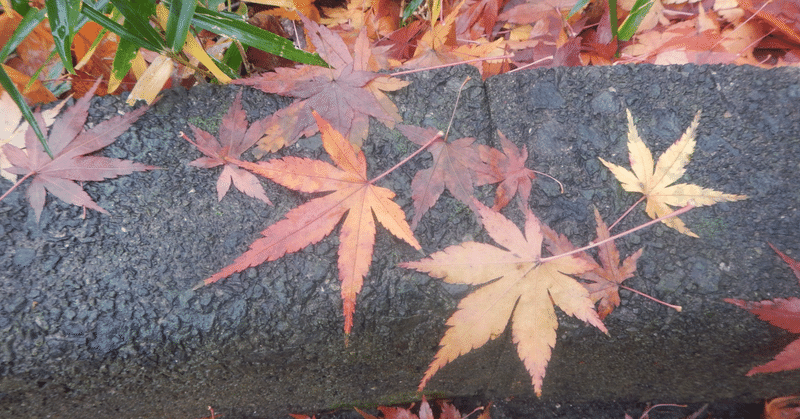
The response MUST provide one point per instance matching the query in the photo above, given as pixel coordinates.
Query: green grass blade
(11, 88)
(634, 19)
(255, 37)
(123, 32)
(178, 22)
(26, 26)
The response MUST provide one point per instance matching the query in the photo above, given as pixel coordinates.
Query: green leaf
(11, 88)
(137, 14)
(178, 22)
(409, 10)
(634, 19)
(577, 7)
(123, 32)
(21, 6)
(255, 37)
(123, 59)
(233, 56)
(26, 26)
(63, 16)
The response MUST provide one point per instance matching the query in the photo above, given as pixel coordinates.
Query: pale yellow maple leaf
(654, 182)
(516, 285)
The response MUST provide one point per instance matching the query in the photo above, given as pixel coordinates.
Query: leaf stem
(436, 137)
(19, 182)
(675, 213)
(676, 308)
(626, 212)
(474, 60)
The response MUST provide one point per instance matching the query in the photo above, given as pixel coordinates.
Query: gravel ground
(97, 316)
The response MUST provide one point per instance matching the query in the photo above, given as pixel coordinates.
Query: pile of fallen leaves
(496, 35)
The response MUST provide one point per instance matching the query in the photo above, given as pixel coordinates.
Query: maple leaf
(781, 312)
(351, 194)
(341, 94)
(795, 265)
(454, 164)
(508, 168)
(605, 279)
(654, 183)
(479, 18)
(234, 139)
(448, 411)
(13, 131)
(516, 284)
(69, 142)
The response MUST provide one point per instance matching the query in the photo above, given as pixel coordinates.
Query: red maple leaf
(351, 196)
(234, 139)
(454, 165)
(69, 142)
(781, 312)
(795, 265)
(508, 168)
(345, 94)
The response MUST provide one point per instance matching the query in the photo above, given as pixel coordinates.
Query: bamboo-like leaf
(580, 4)
(138, 14)
(634, 19)
(63, 16)
(247, 34)
(25, 27)
(180, 18)
(123, 59)
(124, 32)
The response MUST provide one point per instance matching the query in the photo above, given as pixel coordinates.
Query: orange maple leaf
(345, 94)
(351, 194)
(517, 285)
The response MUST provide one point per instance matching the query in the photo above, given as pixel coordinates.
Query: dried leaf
(514, 285)
(234, 139)
(654, 182)
(70, 142)
(352, 196)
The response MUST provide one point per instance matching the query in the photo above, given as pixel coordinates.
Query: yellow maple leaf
(654, 182)
(517, 285)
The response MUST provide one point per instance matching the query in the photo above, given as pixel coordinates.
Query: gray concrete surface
(97, 316)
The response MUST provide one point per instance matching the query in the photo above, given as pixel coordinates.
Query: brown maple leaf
(781, 312)
(351, 193)
(605, 280)
(70, 143)
(342, 94)
(517, 285)
(454, 165)
(506, 167)
(234, 139)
